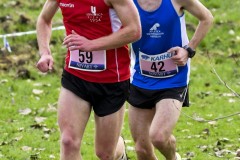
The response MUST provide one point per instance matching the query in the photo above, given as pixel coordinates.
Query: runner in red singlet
(96, 74)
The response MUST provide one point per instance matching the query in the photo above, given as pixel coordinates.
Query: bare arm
(130, 32)
(44, 26)
(128, 14)
(44, 30)
(204, 16)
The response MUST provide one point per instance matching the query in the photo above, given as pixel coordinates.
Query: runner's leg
(164, 121)
(108, 145)
(73, 114)
(140, 121)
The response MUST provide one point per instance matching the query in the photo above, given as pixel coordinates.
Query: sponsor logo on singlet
(155, 32)
(66, 5)
(94, 16)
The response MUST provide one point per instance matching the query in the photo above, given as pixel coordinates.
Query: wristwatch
(191, 51)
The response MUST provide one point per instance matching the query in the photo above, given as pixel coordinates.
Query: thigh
(140, 121)
(73, 114)
(166, 116)
(108, 130)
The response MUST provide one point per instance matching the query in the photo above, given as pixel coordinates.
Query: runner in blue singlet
(160, 69)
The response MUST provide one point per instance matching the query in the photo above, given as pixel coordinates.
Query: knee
(105, 154)
(143, 149)
(161, 139)
(69, 143)
(158, 139)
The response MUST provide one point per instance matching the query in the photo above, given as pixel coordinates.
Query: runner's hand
(45, 63)
(76, 42)
(180, 57)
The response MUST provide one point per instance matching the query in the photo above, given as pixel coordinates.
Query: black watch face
(191, 52)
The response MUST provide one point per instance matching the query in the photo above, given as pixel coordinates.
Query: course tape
(28, 32)
(6, 43)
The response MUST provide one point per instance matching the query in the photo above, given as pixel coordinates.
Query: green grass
(42, 138)
(24, 138)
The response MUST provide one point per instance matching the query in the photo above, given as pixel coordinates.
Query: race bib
(157, 66)
(94, 61)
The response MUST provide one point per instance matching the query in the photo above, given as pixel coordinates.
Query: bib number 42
(158, 66)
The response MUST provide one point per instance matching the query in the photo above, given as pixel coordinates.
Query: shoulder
(185, 3)
(192, 6)
(52, 3)
(111, 3)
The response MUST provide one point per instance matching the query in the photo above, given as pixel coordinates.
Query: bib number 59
(85, 57)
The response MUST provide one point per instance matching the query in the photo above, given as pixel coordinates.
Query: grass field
(28, 98)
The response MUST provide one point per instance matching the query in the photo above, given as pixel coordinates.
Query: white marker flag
(6, 44)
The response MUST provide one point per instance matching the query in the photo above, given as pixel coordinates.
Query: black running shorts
(105, 98)
(147, 99)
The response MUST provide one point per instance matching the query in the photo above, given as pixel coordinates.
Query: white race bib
(157, 66)
(94, 61)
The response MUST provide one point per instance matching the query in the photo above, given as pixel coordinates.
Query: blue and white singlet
(162, 29)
